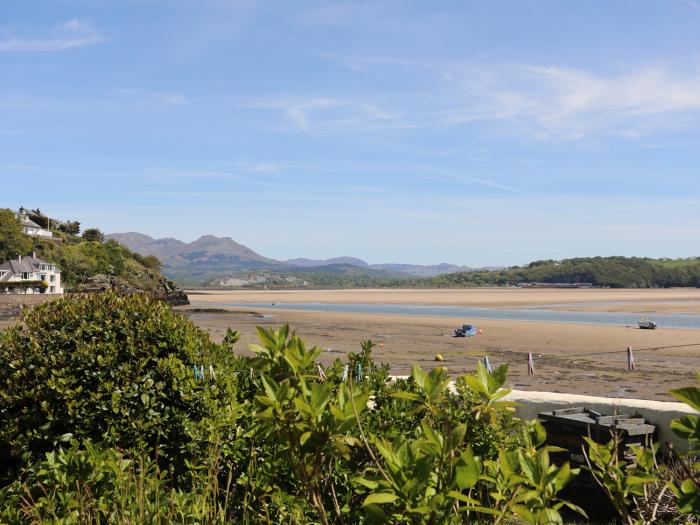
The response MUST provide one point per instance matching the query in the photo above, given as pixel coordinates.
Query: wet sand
(569, 358)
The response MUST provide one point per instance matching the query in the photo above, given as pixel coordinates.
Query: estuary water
(467, 313)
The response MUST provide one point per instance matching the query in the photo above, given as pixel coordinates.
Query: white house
(29, 275)
(29, 226)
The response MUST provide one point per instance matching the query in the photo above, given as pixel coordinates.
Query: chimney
(34, 255)
(19, 258)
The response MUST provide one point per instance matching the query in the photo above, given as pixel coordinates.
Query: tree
(152, 262)
(70, 227)
(113, 369)
(13, 241)
(93, 234)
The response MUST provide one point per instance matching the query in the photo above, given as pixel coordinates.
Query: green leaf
(409, 396)
(380, 498)
(689, 396)
(365, 482)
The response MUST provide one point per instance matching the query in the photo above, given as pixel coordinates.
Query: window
(42, 277)
(52, 279)
(25, 275)
(53, 289)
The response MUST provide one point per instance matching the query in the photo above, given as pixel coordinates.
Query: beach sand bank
(569, 358)
(671, 300)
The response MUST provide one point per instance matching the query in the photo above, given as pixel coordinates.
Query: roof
(29, 222)
(20, 265)
(23, 216)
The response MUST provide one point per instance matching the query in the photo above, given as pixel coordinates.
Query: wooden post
(630, 359)
(530, 365)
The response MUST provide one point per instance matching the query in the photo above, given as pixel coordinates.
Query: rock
(164, 289)
(9, 311)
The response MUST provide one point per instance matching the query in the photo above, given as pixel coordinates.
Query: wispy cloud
(462, 178)
(71, 34)
(313, 113)
(572, 104)
(173, 99)
(541, 101)
(296, 109)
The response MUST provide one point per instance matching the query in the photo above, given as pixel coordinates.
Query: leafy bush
(117, 370)
(103, 421)
(89, 484)
(13, 241)
(93, 234)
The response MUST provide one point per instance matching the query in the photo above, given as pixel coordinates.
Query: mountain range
(211, 256)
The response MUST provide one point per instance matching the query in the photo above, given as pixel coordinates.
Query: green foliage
(152, 262)
(688, 427)
(70, 227)
(112, 369)
(13, 241)
(614, 272)
(638, 485)
(94, 235)
(106, 485)
(437, 478)
(103, 421)
(625, 483)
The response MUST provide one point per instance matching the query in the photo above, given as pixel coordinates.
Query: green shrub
(88, 484)
(117, 370)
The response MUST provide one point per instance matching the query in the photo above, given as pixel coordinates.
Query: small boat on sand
(466, 330)
(647, 324)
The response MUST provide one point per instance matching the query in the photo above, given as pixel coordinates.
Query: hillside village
(30, 274)
(41, 255)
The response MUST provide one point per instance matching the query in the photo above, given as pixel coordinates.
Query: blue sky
(478, 133)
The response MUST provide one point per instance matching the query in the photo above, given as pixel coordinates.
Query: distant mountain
(414, 270)
(307, 263)
(417, 270)
(211, 259)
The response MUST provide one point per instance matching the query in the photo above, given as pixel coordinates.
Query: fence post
(630, 359)
(530, 365)
(487, 364)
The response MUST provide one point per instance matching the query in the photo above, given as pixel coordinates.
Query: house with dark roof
(29, 226)
(29, 275)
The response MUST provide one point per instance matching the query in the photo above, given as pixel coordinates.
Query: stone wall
(27, 299)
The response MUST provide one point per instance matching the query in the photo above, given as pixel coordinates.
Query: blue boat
(466, 330)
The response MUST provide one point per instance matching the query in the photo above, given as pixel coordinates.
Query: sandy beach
(572, 358)
(673, 300)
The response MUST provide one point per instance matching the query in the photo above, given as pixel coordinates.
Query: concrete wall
(659, 413)
(27, 299)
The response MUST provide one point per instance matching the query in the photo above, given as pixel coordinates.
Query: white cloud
(541, 101)
(570, 103)
(312, 114)
(173, 99)
(71, 34)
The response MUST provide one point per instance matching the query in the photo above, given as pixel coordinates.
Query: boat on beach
(647, 324)
(466, 330)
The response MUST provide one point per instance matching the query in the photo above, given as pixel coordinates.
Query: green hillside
(86, 260)
(614, 272)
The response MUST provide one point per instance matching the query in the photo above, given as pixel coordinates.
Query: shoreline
(632, 300)
(569, 358)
